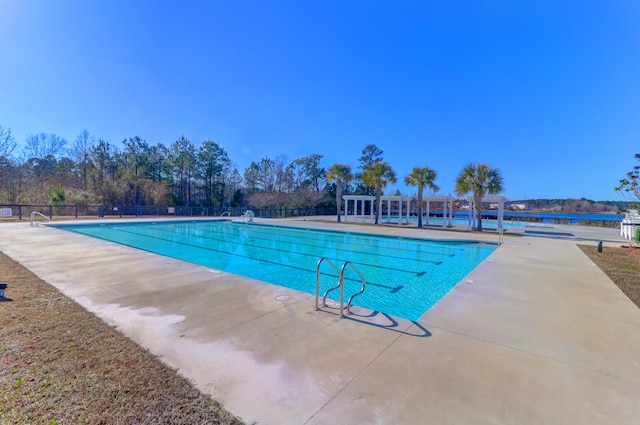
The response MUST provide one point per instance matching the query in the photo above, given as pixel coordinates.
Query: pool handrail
(340, 284)
(324, 298)
(33, 222)
(364, 285)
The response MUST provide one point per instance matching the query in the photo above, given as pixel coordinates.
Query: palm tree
(480, 179)
(377, 175)
(421, 177)
(341, 174)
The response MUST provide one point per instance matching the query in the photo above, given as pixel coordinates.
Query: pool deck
(536, 334)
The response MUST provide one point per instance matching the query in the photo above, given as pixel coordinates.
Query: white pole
(427, 213)
(344, 205)
(451, 214)
(408, 211)
(388, 202)
(444, 214)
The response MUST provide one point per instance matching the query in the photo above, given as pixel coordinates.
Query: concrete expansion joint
(356, 376)
(542, 356)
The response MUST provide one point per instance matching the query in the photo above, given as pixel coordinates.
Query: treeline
(97, 172)
(90, 171)
(573, 205)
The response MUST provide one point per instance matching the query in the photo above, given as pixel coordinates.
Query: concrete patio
(537, 334)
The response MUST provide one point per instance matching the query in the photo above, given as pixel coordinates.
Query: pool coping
(533, 335)
(410, 307)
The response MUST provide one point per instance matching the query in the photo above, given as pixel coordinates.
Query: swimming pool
(405, 276)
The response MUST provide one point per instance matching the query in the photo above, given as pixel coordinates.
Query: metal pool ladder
(340, 284)
(33, 222)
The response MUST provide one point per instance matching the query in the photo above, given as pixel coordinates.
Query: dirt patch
(622, 265)
(60, 364)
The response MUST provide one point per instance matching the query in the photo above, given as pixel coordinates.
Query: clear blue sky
(546, 91)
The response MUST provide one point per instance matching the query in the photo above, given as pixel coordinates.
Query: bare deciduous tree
(7, 142)
(81, 150)
(43, 145)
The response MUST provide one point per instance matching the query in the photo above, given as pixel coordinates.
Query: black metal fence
(559, 220)
(22, 211)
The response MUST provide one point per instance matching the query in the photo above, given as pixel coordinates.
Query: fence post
(50, 211)
(19, 212)
(76, 211)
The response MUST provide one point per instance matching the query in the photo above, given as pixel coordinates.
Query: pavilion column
(408, 201)
(406, 216)
(390, 207)
(500, 215)
(470, 225)
(444, 214)
(448, 210)
(428, 205)
(346, 209)
(451, 214)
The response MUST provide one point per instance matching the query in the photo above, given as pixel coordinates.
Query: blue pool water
(405, 276)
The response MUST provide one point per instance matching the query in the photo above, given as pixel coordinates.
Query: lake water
(552, 216)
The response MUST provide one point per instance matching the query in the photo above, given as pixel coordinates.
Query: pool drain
(282, 297)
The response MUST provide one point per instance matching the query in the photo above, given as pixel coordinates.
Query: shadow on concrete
(392, 325)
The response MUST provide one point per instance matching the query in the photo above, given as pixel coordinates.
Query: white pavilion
(394, 209)
(492, 199)
(397, 209)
